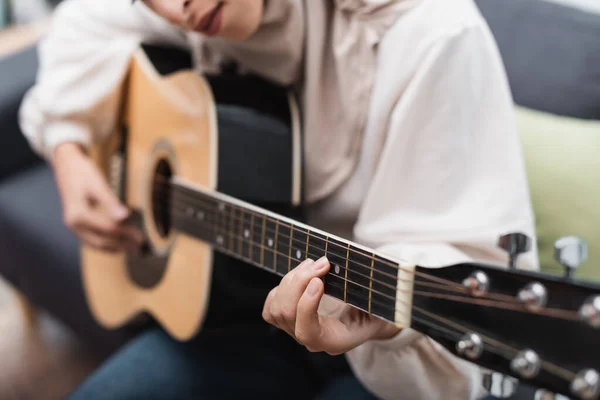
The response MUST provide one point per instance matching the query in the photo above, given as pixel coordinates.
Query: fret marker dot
(190, 211)
(298, 254)
(270, 242)
(220, 239)
(337, 270)
(200, 215)
(221, 207)
(246, 233)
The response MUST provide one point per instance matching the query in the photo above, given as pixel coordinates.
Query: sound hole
(161, 197)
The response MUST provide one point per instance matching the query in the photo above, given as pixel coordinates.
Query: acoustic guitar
(204, 181)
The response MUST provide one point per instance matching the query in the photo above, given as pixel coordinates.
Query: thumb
(103, 194)
(308, 325)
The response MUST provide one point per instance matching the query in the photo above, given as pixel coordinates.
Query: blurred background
(48, 339)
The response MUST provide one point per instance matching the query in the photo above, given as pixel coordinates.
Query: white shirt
(438, 173)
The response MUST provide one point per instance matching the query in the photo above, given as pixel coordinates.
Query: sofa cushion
(40, 256)
(563, 168)
(18, 75)
(551, 53)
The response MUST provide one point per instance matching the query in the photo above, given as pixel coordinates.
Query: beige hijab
(340, 64)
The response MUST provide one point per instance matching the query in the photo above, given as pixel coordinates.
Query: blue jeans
(220, 365)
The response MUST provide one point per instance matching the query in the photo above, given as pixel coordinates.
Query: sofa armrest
(18, 71)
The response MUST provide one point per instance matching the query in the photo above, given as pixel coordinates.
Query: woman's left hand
(293, 307)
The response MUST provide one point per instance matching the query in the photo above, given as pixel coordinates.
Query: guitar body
(170, 127)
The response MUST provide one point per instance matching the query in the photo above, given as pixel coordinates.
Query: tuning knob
(590, 312)
(586, 384)
(526, 364)
(534, 296)
(477, 284)
(570, 252)
(514, 244)
(470, 346)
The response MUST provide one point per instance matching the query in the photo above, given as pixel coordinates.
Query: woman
(410, 148)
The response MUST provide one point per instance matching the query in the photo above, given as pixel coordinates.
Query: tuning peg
(514, 244)
(570, 252)
(586, 384)
(470, 346)
(590, 312)
(526, 364)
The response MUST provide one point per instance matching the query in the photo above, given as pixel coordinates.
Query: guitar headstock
(542, 330)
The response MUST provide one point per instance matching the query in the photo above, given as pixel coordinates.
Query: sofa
(552, 57)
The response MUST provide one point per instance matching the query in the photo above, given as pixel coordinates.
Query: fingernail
(313, 287)
(321, 263)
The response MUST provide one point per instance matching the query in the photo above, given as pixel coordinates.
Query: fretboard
(277, 244)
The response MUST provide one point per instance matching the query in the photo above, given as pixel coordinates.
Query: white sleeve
(83, 59)
(450, 180)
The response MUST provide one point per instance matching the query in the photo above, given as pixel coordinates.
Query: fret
(346, 275)
(336, 253)
(290, 248)
(334, 280)
(384, 284)
(246, 236)
(269, 259)
(299, 246)
(251, 242)
(358, 277)
(231, 232)
(257, 238)
(283, 261)
(316, 245)
(262, 241)
(220, 231)
(306, 253)
(276, 247)
(240, 233)
(371, 282)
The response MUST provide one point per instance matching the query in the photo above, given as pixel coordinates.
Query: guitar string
(292, 229)
(341, 267)
(189, 192)
(557, 313)
(552, 368)
(254, 243)
(454, 287)
(455, 335)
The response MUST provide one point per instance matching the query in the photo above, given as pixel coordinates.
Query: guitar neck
(358, 276)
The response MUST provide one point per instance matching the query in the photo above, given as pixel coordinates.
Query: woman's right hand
(90, 208)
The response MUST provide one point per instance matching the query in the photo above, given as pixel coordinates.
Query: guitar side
(169, 118)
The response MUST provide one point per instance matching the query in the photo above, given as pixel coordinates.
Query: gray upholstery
(18, 74)
(551, 53)
(40, 257)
